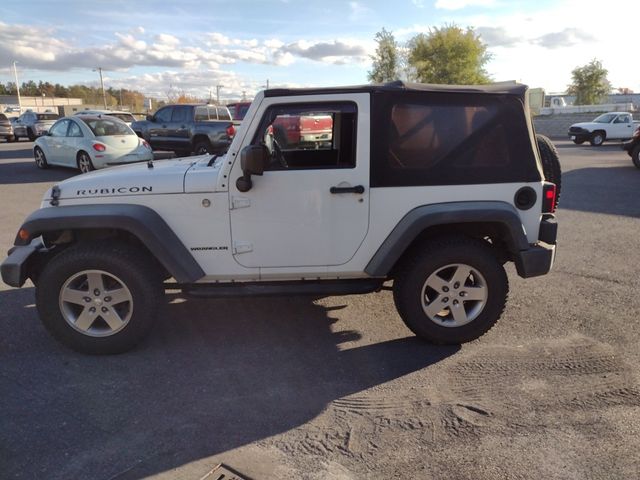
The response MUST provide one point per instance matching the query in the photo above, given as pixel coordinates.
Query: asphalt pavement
(337, 387)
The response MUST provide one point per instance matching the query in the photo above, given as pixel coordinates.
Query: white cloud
(460, 4)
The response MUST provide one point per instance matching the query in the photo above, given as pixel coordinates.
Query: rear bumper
(539, 258)
(15, 269)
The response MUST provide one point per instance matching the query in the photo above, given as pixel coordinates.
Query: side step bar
(304, 287)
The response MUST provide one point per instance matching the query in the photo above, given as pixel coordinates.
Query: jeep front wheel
(99, 298)
(453, 291)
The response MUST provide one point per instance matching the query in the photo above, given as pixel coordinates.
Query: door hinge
(242, 247)
(239, 202)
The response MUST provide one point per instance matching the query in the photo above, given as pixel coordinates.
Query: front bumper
(538, 259)
(15, 268)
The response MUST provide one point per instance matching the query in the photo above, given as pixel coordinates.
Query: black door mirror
(150, 118)
(253, 158)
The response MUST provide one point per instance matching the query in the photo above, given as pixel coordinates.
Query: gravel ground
(337, 387)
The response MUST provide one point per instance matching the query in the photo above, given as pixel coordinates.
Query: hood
(166, 176)
(587, 124)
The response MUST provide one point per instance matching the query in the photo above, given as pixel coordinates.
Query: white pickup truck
(608, 126)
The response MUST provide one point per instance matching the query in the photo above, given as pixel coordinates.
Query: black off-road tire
(40, 158)
(597, 138)
(431, 256)
(202, 147)
(11, 139)
(550, 163)
(579, 142)
(130, 265)
(635, 156)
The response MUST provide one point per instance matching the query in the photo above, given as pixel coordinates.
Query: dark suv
(6, 129)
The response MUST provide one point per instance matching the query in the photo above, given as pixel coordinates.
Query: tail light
(98, 147)
(145, 143)
(231, 131)
(549, 198)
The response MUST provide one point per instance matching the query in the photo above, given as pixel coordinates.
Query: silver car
(126, 117)
(90, 142)
(33, 125)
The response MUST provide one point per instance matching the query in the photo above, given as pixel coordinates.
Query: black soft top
(504, 88)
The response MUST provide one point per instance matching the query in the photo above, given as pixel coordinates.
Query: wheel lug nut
(96, 292)
(105, 309)
(445, 289)
(463, 294)
(92, 309)
(456, 285)
(455, 302)
(87, 299)
(445, 299)
(107, 299)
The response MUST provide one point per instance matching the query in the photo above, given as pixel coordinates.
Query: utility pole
(104, 96)
(15, 73)
(218, 87)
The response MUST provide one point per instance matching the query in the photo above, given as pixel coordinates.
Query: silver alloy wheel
(454, 295)
(39, 156)
(597, 139)
(96, 303)
(84, 163)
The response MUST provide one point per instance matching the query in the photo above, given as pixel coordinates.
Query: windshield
(606, 118)
(105, 127)
(48, 116)
(125, 117)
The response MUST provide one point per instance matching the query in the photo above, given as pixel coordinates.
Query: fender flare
(421, 218)
(142, 222)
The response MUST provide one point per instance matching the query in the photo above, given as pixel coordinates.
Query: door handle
(356, 189)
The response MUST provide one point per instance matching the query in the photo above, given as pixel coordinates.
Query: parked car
(608, 126)
(632, 147)
(238, 110)
(433, 187)
(126, 117)
(33, 125)
(89, 142)
(6, 128)
(303, 131)
(188, 128)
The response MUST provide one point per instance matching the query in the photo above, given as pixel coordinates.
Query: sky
(190, 46)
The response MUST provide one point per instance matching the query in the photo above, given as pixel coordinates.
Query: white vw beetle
(89, 142)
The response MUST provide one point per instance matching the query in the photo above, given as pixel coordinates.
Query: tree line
(454, 55)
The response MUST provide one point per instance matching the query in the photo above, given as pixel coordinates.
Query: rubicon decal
(113, 191)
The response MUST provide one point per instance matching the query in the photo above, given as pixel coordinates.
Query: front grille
(576, 130)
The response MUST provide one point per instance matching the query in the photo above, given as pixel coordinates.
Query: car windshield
(105, 127)
(605, 118)
(125, 117)
(48, 116)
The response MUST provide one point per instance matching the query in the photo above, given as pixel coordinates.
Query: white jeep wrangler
(433, 187)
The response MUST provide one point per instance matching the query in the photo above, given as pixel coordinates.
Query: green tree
(386, 61)
(449, 55)
(589, 83)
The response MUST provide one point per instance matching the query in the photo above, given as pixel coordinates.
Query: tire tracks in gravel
(489, 391)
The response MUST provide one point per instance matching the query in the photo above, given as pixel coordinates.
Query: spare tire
(550, 163)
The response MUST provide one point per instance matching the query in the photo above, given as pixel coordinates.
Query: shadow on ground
(215, 375)
(27, 172)
(602, 190)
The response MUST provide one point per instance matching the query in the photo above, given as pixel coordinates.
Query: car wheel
(452, 292)
(202, 147)
(31, 135)
(635, 156)
(550, 163)
(85, 164)
(40, 158)
(99, 298)
(597, 139)
(12, 138)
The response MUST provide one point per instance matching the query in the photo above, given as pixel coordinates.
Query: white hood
(166, 176)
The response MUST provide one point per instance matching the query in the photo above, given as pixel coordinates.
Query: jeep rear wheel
(99, 298)
(635, 156)
(452, 292)
(550, 163)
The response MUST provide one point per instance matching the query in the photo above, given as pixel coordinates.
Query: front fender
(140, 221)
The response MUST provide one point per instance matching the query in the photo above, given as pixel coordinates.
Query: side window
(223, 113)
(622, 119)
(180, 114)
(213, 113)
(311, 136)
(164, 115)
(202, 114)
(74, 130)
(59, 129)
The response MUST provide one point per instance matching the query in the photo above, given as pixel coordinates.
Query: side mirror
(150, 118)
(253, 158)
